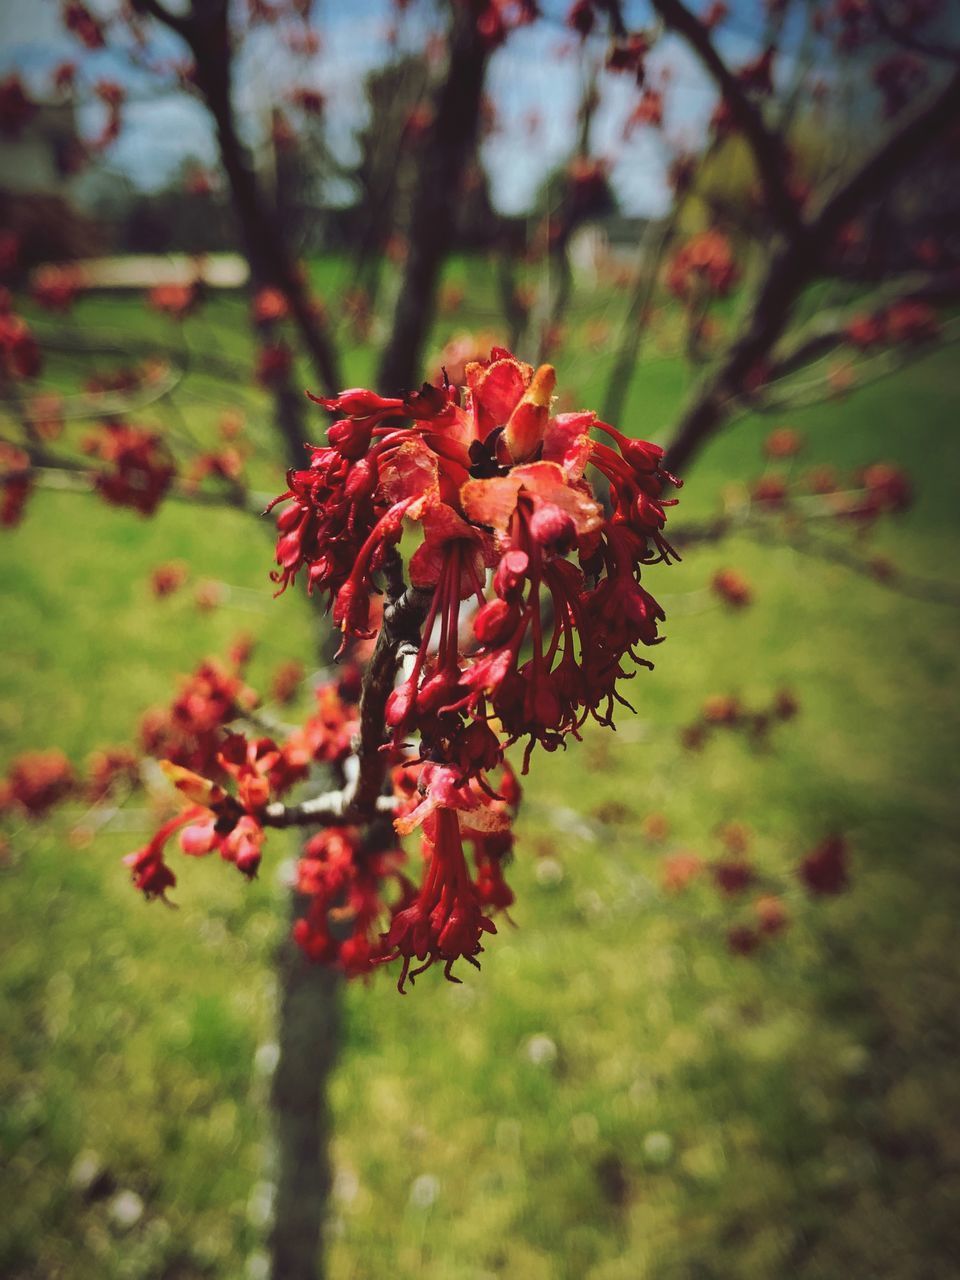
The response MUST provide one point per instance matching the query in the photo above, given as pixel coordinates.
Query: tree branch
(769, 154)
(207, 33)
(443, 159)
(795, 264)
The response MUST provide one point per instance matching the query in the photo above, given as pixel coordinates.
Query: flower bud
(289, 517)
(361, 479)
(496, 622)
(553, 528)
(400, 705)
(356, 402)
(439, 691)
(351, 439)
(510, 573)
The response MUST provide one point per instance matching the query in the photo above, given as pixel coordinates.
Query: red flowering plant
(524, 616)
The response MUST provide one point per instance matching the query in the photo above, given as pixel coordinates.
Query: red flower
(270, 305)
(310, 101)
(582, 17)
(286, 681)
(187, 732)
(733, 875)
(679, 869)
(783, 442)
(56, 287)
(109, 767)
(704, 265)
(15, 107)
(142, 469)
(15, 484)
(742, 940)
(175, 300)
(274, 362)
(78, 19)
(491, 479)
(20, 356)
(911, 321)
(38, 780)
(732, 587)
(445, 922)
(826, 869)
(772, 915)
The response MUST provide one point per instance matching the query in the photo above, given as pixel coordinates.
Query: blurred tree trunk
(264, 237)
(443, 160)
(310, 1019)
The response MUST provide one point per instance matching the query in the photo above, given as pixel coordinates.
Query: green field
(616, 1096)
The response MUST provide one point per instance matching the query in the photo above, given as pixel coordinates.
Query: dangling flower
(446, 922)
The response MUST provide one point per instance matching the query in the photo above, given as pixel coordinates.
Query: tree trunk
(310, 1017)
(450, 145)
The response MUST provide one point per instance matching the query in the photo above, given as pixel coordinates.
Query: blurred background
(718, 1036)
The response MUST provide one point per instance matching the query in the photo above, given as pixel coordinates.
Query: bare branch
(769, 153)
(328, 810)
(795, 264)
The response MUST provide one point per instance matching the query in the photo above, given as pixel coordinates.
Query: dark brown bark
(264, 240)
(446, 151)
(205, 28)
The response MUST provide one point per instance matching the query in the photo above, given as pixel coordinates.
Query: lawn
(617, 1095)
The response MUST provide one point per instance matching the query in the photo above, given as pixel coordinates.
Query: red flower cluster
(15, 484)
(203, 761)
(274, 362)
(36, 781)
(704, 266)
(168, 578)
(536, 608)
(909, 321)
(825, 870)
(175, 300)
(783, 442)
(141, 466)
(269, 305)
(187, 733)
(732, 587)
(56, 288)
(497, 18)
(15, 107)
(726, 711)
(534, 614)
(78, 19)
(109, 768)
(20, 356)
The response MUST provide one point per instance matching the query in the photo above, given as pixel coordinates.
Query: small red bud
(496, 622)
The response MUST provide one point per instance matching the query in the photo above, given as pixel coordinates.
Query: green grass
(615, 1096)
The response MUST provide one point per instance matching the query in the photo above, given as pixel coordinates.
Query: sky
(525, 76)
